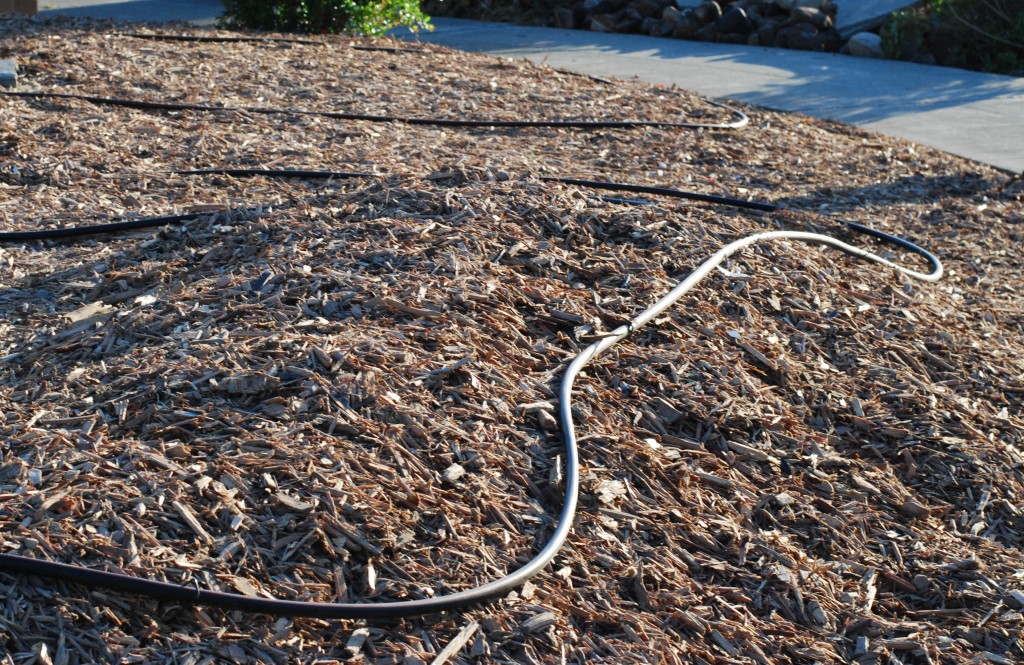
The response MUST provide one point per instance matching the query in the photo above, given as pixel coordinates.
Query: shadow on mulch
(910, 189)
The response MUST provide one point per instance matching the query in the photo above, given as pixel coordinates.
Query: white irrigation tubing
(572, 463)
(499, 587)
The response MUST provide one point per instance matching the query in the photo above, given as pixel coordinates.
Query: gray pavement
(199, 12)
(974, 115)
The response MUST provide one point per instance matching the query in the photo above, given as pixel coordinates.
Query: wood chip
(457, 644)
(192, 522)
(347, 390)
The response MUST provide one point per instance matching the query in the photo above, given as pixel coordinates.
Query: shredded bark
(342, 391)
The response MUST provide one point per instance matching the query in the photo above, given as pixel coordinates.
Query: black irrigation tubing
(260, 40)
(932, 260)
(219, 40)
(386, 610)
(511, 581)
(665, 191)
(279, 173)
(740, 121)
(153, 222)
(68, 232)
(386, 49)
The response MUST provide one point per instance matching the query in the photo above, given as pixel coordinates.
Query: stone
(813, 4)
(805, 28)
(708, 12)
(782, 36)
(604, 6)
(786, 5)
(687, 26)
(8, 73)
(864, 15)
(564, 18)
(672, 15)
(783, 499)
(766, 32)
(602, 23)
(865, 45)
(804, 40)
(706, 34)
(667, 27)
(651, 26)
(734, 21)
(819, 19)
(831, 41)
(731, 38)
(630, 22)
(453, 473)
(646, 8)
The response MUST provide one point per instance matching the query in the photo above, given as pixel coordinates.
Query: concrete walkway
(974, 115)
(199, 12)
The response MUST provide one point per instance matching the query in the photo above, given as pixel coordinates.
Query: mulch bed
(810, 459)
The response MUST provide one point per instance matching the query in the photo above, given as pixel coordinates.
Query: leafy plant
(984, 35)
(362, 17)
(515, 11)
(903, 35)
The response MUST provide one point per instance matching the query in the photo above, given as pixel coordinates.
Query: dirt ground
(810, 459)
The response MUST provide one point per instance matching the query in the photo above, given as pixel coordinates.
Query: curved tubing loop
(499, 587)
(933, 261)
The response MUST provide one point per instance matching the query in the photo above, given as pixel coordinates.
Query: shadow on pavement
(202, 12)
(846, 88)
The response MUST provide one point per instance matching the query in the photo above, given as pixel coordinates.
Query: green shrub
(361, 17)
(983, 35)
(514, 11)
(903, 35)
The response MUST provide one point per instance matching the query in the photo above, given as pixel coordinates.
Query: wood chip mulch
(346, 390)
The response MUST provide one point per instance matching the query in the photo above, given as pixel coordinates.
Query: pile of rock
(797, 24)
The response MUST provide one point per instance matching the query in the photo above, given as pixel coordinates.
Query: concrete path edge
(971, 114)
